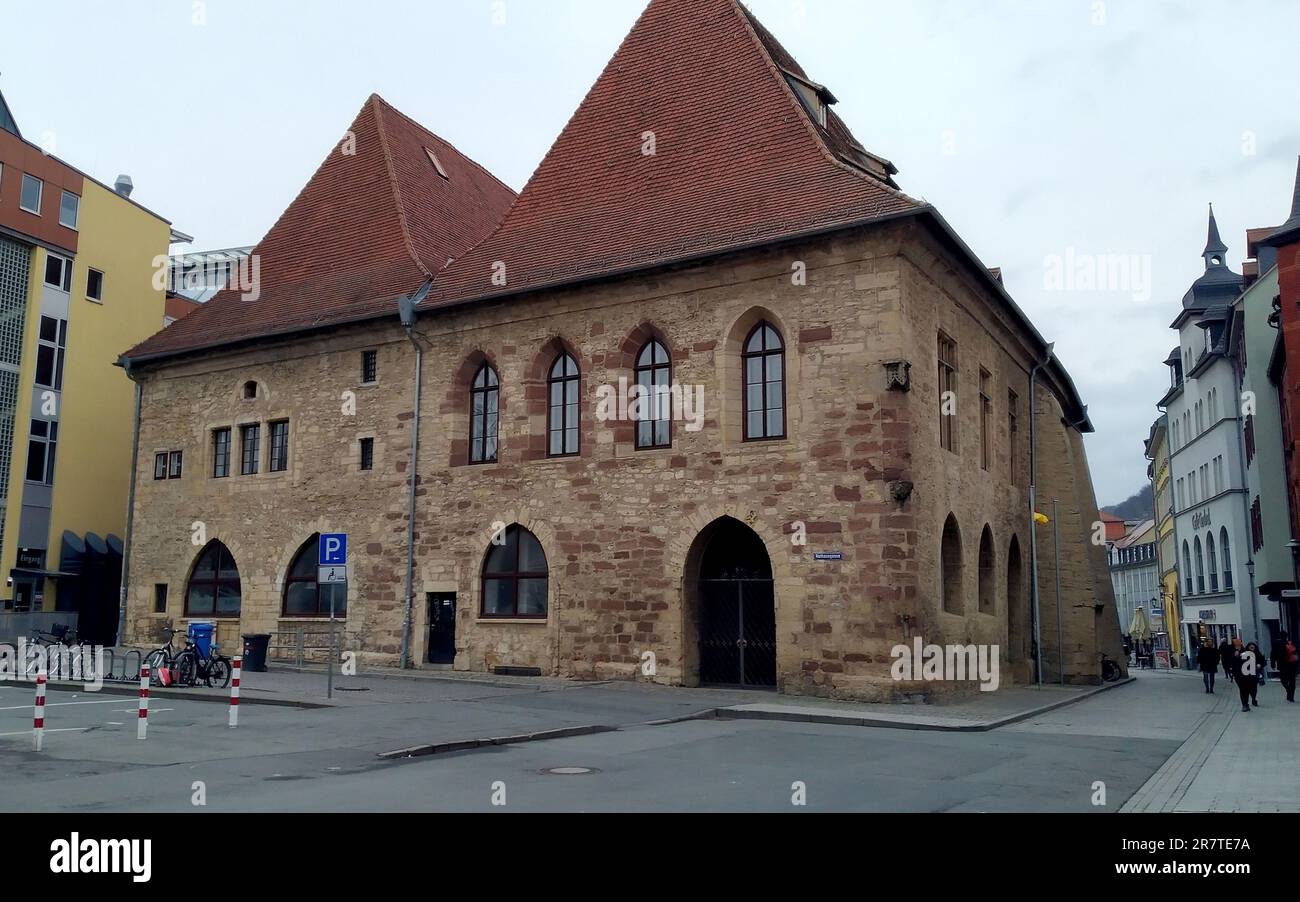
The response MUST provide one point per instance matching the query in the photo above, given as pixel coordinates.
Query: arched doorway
(735, 606)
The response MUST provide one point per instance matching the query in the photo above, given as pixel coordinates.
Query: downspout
(1033, 509)
(130, 507)
(406, 310)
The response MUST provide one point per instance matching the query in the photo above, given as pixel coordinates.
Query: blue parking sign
(333, 550)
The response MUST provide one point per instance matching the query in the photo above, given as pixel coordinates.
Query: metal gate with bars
(737, 633)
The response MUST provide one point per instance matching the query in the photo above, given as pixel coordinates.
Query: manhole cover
(570, 771)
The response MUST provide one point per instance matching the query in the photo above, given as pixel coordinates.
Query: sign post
(333, 564)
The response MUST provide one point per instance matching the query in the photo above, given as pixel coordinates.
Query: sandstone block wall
(621, 527)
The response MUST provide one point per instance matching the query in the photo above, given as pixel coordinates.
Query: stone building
(841, 461)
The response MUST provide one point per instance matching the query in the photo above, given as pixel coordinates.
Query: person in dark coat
(1208, 659)
(1285, 662)
(1237, 666)
(1256, 677)
(1225, 657)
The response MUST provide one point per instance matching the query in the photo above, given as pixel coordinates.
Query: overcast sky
(1043, 130)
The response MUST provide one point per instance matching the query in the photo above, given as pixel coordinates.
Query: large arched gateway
(729, 576)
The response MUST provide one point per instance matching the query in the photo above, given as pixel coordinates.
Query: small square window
(58, 272)
(369, 367)
(95, 285)
(367, 454)
(160, 466)
(69, 210)
(174, 465)
(160, 598)
(31, 194)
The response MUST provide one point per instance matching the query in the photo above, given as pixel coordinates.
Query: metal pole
(1060, 644)
(405, 658)
(329, 678)
(1033, 509)
(130, 513)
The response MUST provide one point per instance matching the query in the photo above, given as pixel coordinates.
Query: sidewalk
(1233, 760)
(974, 713)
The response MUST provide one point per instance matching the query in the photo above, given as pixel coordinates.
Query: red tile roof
(375, 221)
(738, 161)
(178, 307)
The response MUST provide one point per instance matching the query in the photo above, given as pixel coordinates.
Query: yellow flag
(1041, 519)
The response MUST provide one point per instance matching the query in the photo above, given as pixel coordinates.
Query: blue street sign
(828, 556)
(333, 550)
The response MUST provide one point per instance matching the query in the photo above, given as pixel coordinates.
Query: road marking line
(111, 701)
(62, 730)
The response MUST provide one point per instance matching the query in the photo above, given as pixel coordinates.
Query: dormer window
(814, 97)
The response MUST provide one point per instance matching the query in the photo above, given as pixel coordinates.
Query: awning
(47, 574)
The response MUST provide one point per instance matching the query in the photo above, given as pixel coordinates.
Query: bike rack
(132, 675)
(107, 670)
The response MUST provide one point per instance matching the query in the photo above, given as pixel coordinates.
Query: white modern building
(199, 275)
(1135, 576)
(1207, 460)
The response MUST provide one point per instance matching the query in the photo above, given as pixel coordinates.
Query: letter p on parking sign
(333, 550)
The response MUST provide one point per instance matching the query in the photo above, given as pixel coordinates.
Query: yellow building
(77, 284)
(1157, 451)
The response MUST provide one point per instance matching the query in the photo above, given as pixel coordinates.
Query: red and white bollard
(38, 718)
(234, 691)
(142, 725)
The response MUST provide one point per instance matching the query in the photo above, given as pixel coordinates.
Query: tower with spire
(1212, 536)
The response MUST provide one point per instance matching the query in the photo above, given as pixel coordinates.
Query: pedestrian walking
(1225, 657)
(1285, 660)
(1237, 666)
(1259, 667)
(1208, 659)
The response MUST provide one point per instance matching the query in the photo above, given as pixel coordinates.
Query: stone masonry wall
(620, 527)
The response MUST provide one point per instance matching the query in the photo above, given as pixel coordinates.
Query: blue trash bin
(201, 633)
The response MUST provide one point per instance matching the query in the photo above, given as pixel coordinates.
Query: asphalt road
(288, 759)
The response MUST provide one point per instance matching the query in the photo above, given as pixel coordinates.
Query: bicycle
(60, 637)
(1110, 671)
(160, 657)
(192, 666)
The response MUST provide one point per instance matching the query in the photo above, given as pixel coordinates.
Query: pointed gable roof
(736, 161)
(1289, 231)
(377, 220)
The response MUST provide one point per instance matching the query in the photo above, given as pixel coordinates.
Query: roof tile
(374, 222)
(736, 160)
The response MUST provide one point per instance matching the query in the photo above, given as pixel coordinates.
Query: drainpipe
(1033, 508)
(406, 310)
(130, 508)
